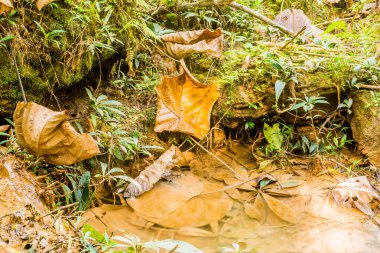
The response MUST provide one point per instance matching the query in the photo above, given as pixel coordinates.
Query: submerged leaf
(265, 207)
(184, 105)
(182, 44)
(48, 134)
(200, 210)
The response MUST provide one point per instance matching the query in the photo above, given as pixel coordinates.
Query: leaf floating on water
(356, 192)
(166, 197)
(200, 210)
(180, 203)
(5, 6)
(182, 44)
(48, 134)
(184, 105)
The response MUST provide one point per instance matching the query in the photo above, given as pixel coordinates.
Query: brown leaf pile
(356, 192)
(182, 44)
(5, 6)
(184, 105)
(48, 134)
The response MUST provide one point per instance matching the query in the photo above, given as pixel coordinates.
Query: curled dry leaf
(356, 192)
(42, 3)
(48, 134)
(266, 208)
(166, 197)
(5, 6)
(153, 173)
(182, 44)
(184, 105)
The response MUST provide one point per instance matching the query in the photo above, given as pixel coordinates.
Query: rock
(364, 124)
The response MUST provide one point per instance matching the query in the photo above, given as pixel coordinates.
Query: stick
(18, 73)
(367, 86)
(294, 37)
(217, 158)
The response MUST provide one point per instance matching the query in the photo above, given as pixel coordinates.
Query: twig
(294, 37)
(59, 209)
(367, 86)
(217, 158)
(18, 73)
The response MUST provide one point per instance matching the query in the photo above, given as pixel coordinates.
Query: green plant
(103, 107)
(94, 241)
(346, 105)
(50, 37)
(80, 190)
(274, 137)
(4, 39)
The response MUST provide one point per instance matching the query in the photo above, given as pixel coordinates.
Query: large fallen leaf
(356, 192)
(266, 208)
(48, 134)
(42, 3)
(294, 20)
(5, 6)
(182, 44)
(184, 105)
(153, 173)
(200, 210)
(166, 197)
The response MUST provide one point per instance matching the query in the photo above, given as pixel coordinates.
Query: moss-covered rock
(365, 124)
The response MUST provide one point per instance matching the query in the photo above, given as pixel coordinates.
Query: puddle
(319, 224)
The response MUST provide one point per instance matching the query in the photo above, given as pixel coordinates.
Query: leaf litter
(283, 205)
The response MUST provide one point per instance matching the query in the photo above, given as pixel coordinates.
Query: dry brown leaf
(356, 192)
(4, 128)
(153, 173)
(200, 210)
(184, 105)
(166, 197)
(266, 208)
(42, 3)
(5, 6)
(48, 134)
(182, 44)
(294, 20)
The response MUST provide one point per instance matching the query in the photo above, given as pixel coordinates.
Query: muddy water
(318, 225)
